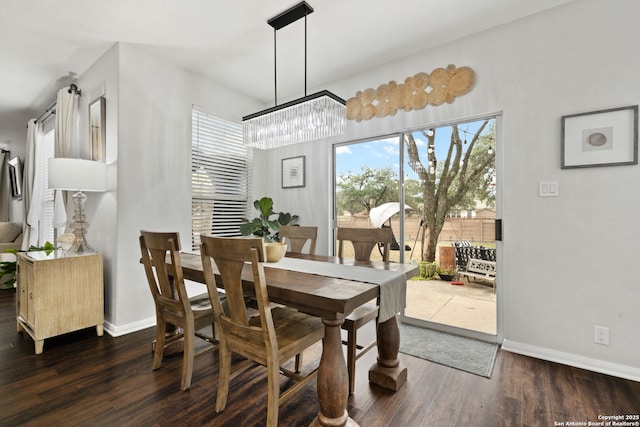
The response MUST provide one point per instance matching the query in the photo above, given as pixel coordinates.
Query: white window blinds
(220, 177)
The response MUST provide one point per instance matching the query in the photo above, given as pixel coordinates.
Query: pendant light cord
(275, 60)
(305, 53)
(275, 65)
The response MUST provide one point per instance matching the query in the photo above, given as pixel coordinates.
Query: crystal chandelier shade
(317, 116)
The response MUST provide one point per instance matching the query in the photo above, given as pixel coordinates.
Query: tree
(459, 179)
(367, 190)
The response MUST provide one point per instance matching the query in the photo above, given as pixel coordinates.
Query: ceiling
(44, 44)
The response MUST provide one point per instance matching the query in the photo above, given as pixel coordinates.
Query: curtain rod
(51, 109)
(4, 151)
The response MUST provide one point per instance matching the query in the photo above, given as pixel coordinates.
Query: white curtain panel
(66, 123)
(36, 160)
(66, 133)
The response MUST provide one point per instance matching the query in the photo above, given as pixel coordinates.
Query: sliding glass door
(436, 188)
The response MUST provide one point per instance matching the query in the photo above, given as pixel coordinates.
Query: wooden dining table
(331, 299)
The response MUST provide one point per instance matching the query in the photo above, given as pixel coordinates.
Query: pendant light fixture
(316, 116)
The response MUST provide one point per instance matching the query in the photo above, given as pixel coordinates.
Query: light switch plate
(548, 189)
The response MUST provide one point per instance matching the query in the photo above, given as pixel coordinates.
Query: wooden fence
(455, 229)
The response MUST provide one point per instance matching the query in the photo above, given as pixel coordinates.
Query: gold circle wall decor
(442, 85)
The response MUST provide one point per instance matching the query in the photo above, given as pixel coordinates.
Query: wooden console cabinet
(59, 294)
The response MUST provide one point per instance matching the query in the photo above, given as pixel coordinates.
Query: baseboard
(595, 365)
(116, 331)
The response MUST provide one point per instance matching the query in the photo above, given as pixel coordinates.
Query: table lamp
(78, 175)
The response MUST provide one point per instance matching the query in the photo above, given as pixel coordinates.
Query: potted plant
(267, 228)
(447, 273)
(9, 268)
(427, 269)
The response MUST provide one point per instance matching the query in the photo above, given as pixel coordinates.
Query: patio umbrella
(380, 214)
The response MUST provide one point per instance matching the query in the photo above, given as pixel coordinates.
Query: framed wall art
(97, 129)
(15, 177)
(293, 172)
(600, 138)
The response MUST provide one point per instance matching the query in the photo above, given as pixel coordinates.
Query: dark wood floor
(85, 380)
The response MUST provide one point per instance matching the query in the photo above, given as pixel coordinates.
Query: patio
(470, 306)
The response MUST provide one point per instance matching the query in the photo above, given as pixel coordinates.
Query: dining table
(319, 292)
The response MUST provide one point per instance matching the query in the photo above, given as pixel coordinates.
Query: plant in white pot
(267, 228)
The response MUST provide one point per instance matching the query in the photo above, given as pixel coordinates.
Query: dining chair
(173, 305)
(271, 338)
(364, 240)
(297, 236)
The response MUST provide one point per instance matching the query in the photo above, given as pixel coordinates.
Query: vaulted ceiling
(45, 43)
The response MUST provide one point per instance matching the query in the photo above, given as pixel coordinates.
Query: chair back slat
(364, 240)
(297, 236)
(230, 255)
(166, 283)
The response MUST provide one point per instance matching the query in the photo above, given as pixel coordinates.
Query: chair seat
(202, 301)
(202, 310)
(363, 314)
(295, 331)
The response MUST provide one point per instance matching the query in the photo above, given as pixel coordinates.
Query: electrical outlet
(601, 335)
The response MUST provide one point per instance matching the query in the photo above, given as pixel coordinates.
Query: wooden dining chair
(271, 338)
(364, 240)
(297, 236)
(173, 306)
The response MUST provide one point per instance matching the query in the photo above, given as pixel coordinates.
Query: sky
(381, 153)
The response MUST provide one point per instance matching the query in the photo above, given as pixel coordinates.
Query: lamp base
(79, 227)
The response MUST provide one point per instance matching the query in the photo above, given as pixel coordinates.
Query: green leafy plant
(449, 270)
(8, 268)
(263, 226)
(427, 269)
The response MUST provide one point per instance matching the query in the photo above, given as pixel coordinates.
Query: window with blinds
(220, 177)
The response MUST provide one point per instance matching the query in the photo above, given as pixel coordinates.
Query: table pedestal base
(389, 378)
(333, 380)
(387, 371)
(331, 423)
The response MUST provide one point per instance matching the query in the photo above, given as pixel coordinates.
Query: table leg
(333, 380)
(387, 371)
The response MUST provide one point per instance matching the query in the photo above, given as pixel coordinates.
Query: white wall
(569, 262)
(155, 99)
(101, 79)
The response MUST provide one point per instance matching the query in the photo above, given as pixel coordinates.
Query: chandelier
(316, 116)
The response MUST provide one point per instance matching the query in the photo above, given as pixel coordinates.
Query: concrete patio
(470, 306)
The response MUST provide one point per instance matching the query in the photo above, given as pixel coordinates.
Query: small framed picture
(293, 172)
(600, 138)
(97, 129)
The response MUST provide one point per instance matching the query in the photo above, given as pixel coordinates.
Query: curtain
(66, 130)
(34, 134)
(4, 187)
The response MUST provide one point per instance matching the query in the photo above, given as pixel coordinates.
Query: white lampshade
(77, 175)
